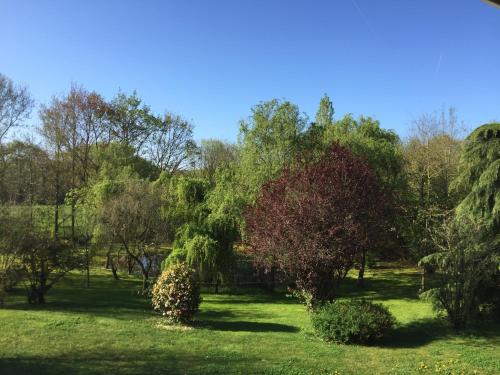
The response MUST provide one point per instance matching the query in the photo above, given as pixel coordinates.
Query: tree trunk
(111, 264)
(87, 255)
(272, 279)
(56, 217)
(114, 271)
(145, 281)
(422, 281)
(361, 275)
(41, 298)
(130, 264)
(216, 284)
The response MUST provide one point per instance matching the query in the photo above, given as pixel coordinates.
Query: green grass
(109, 329)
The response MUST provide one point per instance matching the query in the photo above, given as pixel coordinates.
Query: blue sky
(211, 61)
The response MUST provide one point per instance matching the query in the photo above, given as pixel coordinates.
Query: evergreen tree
(479, 176)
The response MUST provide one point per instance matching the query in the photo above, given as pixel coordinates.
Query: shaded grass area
(110, 329)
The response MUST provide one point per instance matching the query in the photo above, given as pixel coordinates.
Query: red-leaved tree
(315, 222)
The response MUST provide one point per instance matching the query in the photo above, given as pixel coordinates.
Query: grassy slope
(108, 329)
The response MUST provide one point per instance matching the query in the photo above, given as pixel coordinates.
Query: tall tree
(432, 155)
(269, 142)
(324, 115)
(15, 105)
(131, 121)
(170, 143)
(53, 119)
(73, 125)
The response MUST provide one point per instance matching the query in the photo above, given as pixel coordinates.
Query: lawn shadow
(245, 326)
(403, 286)
(239, 296)
(424, 331)
(106, 297)
(121, 361)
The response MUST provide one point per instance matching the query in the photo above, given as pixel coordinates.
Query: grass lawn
(109, 329)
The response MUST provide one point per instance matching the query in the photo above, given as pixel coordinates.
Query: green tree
(131, 121)
(324, 116)
(214, 154)
(269, 142)
(116, 156)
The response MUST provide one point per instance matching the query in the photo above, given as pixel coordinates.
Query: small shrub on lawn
(353, 321)
(176, 293)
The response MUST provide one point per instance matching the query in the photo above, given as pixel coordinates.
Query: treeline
(117, 176)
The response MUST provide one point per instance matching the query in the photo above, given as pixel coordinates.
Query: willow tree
(478, 180)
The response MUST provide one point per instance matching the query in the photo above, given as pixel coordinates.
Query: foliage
(178, 255)
(202, 254)
(11, 230)
(466, 260)
(213, 154)
(314, 222)
(117, 156)
(209, 257)
(45, 261)
(41, 259)
(24, 173)
(176, 293)
(10, 273)
(324, 115)
(352, 321)
(478, 180)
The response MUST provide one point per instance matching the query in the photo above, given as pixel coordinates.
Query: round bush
(176, 293)
(352, 321)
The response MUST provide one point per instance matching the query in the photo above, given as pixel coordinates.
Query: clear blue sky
(211, 61)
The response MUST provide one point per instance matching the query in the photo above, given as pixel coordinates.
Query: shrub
(353, 321)
(176, 293)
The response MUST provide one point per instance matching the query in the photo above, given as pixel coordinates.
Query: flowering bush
(354, 321)
(176, 293)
